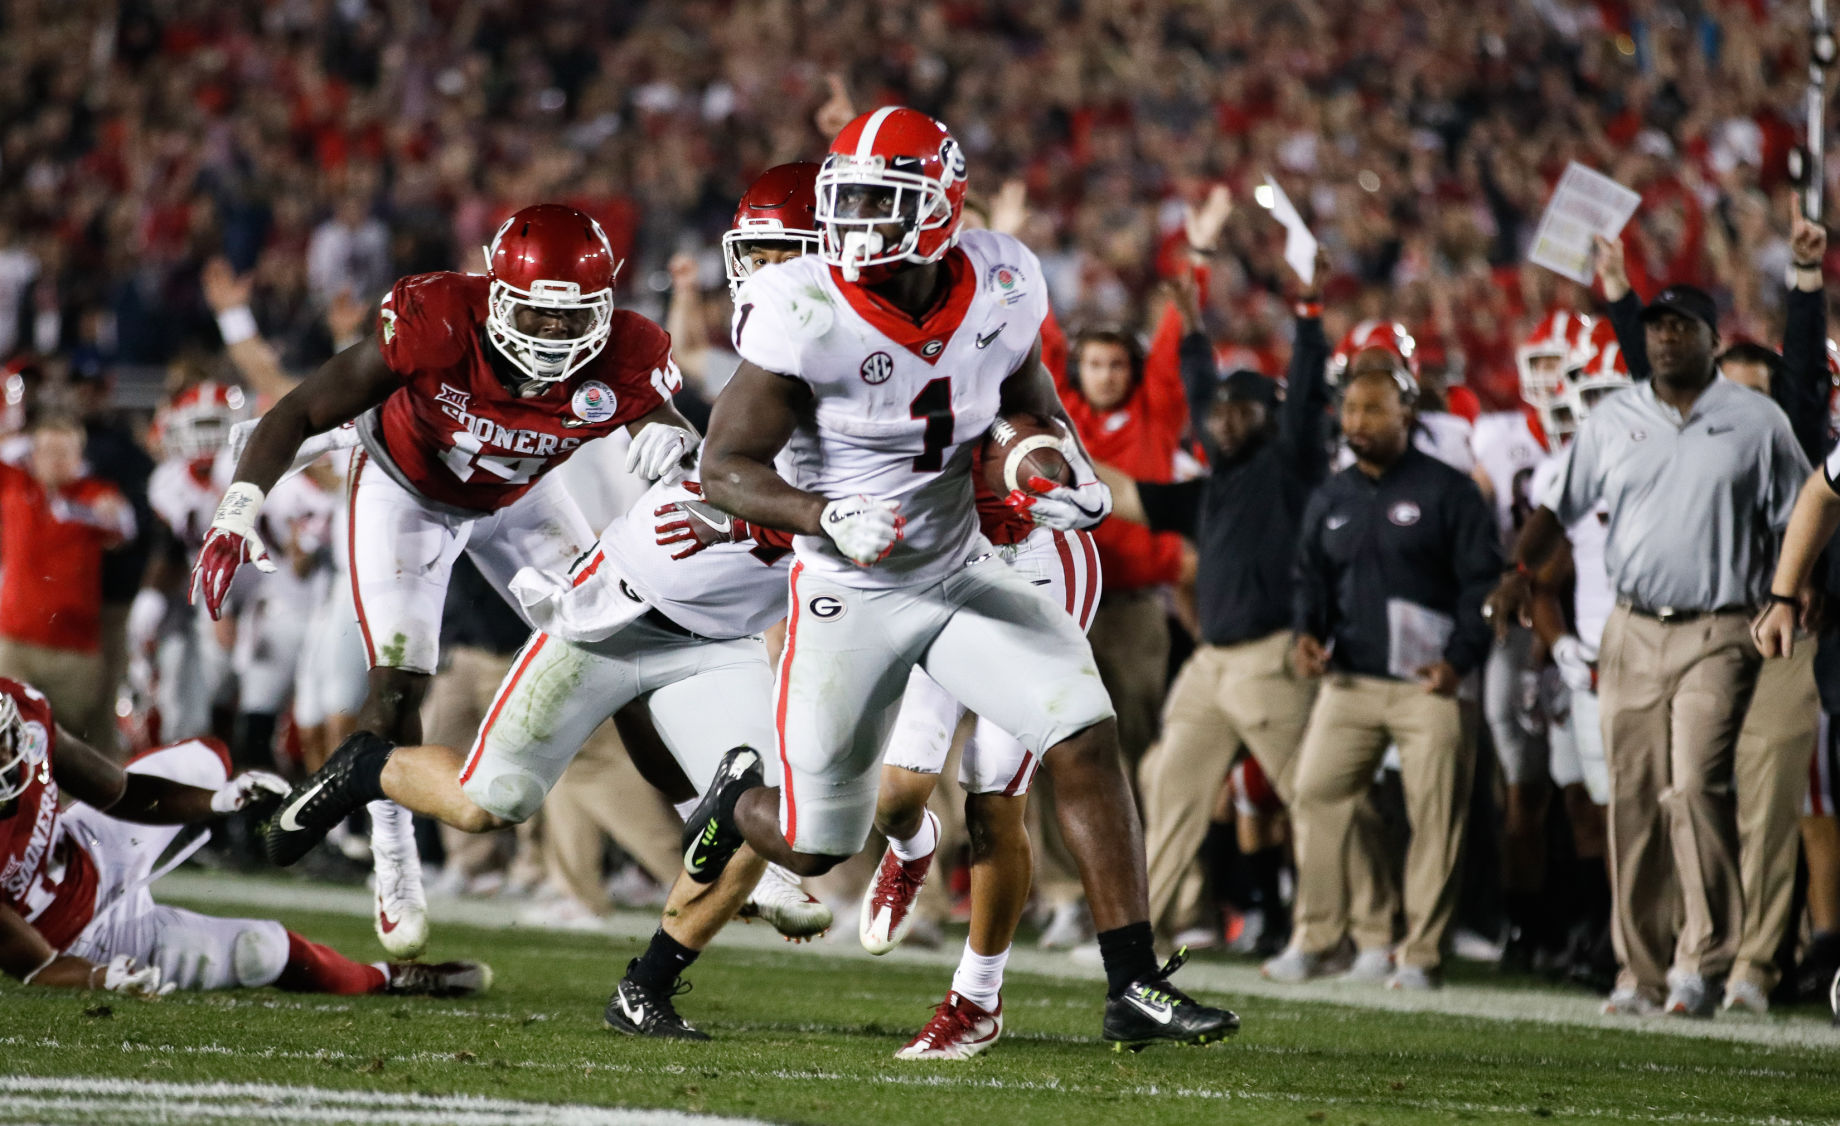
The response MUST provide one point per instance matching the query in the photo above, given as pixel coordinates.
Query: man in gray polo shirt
(1699, 476)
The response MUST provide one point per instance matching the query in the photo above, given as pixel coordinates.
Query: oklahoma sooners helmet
(781, 206)
(21, 750)
(555, 260)
(1561, 341)
(890, 167)
(196, 424)
(1390, 337)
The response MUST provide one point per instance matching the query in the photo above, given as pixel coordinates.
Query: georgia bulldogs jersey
(457, 436)
(1508, 450)
(900, 405)
(186, 501)
(45, 875)
(1592, 598)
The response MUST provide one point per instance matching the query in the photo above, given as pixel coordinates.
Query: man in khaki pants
(1697, 475)
(1396, 557)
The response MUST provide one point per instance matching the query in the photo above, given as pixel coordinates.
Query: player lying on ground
(75, 907)
(651, 615)
(876, 366)
(472, 389)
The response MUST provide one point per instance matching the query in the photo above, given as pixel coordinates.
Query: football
(1020, 447)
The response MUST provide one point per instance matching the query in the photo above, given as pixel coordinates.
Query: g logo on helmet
(877, 368)
(825, 607)
(952, 159)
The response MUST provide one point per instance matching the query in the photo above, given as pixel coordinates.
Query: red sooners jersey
(45, 875)
(457, 436)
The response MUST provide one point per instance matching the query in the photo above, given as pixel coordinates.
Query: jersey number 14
(468, 456)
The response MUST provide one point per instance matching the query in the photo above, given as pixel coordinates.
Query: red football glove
(231, 541)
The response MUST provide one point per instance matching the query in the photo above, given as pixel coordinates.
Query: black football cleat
(1152, 1010)
(314, 807)
(711, 837)
(639, 1010)
(439, 979)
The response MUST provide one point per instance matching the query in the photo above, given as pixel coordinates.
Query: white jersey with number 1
(899, 405)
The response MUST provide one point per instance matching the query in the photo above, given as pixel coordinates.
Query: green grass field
(807, 1035)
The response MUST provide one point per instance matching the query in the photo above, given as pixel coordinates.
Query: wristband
(1309, 308)
(1783, 599)
(236, 325)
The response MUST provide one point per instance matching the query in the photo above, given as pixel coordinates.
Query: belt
(1669, 615)
(656, 618)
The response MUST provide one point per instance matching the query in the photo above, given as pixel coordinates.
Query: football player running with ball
(872, 372)
(473, 388)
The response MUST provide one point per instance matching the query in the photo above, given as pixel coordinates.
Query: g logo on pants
(825, 607)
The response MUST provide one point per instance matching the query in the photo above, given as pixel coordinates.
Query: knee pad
(259, 954)
(511, 795)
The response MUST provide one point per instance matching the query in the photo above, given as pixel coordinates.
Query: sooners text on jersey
(457, 436)
(45, 875)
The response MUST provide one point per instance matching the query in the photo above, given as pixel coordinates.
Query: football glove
(1573, 660)
(231, 541)
(656, 448)
(252, 787)
(863, 528)
(124, 976)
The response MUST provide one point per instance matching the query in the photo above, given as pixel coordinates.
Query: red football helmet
(1390, 337)
(893, 166)
(196, 424)
(22, 750)
(556, 260)
(1600, 369)
(781, 206)
(1561, 341)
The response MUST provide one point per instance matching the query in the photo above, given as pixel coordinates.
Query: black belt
(1669, 615)
(655, 617)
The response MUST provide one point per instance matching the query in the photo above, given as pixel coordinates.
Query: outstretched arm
(344, 387)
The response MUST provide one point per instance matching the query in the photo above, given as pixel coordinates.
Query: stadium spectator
(56, 523)
(1694, 521)
(1396, 556)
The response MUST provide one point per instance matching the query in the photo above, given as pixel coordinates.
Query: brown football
(1022, 446)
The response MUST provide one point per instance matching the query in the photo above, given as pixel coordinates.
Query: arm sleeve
(1626, 318)
(1199, 380)
(1476, 553)
(1306, 402)
(1310, 603)
(1802, 390)
(1173, 508)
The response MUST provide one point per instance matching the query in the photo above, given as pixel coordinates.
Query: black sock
(367, 770)
(1592, 883)
(1129, 953)
(663, 962)
(1267, 866)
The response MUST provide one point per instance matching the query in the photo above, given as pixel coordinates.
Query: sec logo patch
(593, 401)
(825, 607)
(1405, 514)
(877, 368)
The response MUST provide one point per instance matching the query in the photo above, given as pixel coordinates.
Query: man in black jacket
(1237, 691)
(1397, 555)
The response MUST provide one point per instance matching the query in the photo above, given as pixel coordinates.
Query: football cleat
(401, 916)
(317, 806)
(1152, 1010)
(959, 1030)
(711, 838)
(439, 979)
(888, 902)
(639, 1010)
(781, 901)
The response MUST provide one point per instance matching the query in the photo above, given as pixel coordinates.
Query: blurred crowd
(163, 164)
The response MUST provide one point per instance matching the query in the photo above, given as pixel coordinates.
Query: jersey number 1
(468, 455)
(934, 405)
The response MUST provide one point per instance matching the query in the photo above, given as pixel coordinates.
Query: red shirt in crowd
(51, 549)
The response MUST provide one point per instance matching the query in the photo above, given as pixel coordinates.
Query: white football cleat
(888, 901)
(959, 1030)
(401, 917)
(781, 901)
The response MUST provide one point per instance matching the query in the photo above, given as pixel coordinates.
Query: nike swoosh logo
(708, 838)
(287, 815)
(636, 1015)
(984, 341)
(388, 924)
(1160, 1012)
(1720, 429)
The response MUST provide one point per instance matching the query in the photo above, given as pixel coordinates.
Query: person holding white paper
(1397, 554)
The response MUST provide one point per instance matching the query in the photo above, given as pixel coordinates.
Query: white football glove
(125, 977)
(1066, 508)
(1573, 660)
(863, 528)
(250, 786)
(656, 448)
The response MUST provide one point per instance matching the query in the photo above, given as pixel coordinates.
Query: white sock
(979, 977)
(392, 828)
(921, 843)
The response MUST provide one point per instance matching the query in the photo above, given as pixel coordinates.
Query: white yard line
(1502, 1003)
(135, 1100)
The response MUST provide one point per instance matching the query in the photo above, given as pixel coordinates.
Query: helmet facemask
(543, 358)
(738, 244)
(858, 195)
(18, 759)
